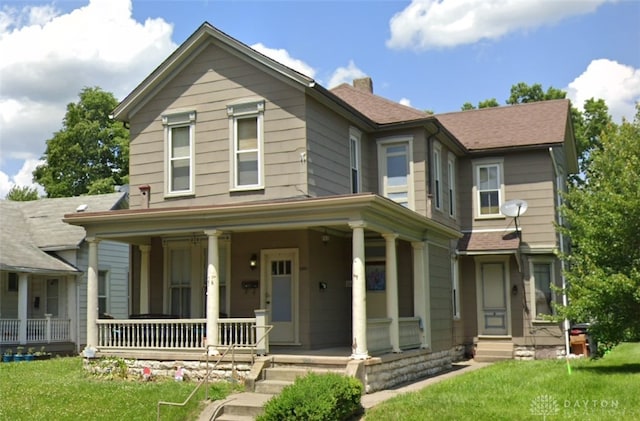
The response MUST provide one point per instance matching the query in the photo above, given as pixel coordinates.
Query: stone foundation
(403, 368)
(531, 352)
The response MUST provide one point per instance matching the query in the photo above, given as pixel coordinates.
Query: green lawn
(604, 389)
(59, 389)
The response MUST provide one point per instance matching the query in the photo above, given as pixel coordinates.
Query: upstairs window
(395, 170)
(247, 140)
(488, 188)
(451, 173)
(437, 176)
(179, 140)
(354, 153)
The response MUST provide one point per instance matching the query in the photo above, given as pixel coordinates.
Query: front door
(493, 300)
(281, 293)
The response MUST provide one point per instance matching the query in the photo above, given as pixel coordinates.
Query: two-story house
(275, 215)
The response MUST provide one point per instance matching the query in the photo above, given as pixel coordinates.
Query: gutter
(567, 348)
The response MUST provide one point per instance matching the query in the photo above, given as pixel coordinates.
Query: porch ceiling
(377, 213)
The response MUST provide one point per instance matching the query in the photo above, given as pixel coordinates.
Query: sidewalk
(372, 399)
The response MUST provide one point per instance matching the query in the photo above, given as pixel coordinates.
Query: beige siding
(441, 309)
(208, 84)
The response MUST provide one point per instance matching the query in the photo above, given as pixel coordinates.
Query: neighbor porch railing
(183, 334)
(379, 339)
(47, 330)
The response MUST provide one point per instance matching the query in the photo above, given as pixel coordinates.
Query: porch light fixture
(253, 261)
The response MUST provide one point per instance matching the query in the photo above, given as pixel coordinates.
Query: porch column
(421, 291)
(23, 305)
(359, 294)
(213, 289)
(144, 278)
(391, 275)
(92, 293)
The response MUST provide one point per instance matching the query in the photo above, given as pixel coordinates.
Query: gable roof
(530, 124)
(32, 229)
(378, 109)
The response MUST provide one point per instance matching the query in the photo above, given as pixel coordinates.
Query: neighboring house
(332, 217)
(43, 264)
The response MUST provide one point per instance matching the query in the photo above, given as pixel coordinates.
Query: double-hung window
(354, 153)
(488, 187)
(395, 169)
(53, 297)
(542, 277)
(451, 174)
(179, 140)
(437, 176)
(247, 140)
(103, 292)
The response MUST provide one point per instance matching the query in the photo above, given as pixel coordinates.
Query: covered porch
(347, 272)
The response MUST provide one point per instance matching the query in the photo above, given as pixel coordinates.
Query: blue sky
(430, 54)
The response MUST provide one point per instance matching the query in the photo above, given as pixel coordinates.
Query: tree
(588, 126)
(487, 103)
(90, 154)
(522, 93)
(603, 220)
(22, 193)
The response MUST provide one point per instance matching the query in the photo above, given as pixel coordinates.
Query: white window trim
(382, 166)
(173, 120)
(477, 164)
(246, 109)
(437, 175)
(532, 285)
(354, 155)
(451, 173)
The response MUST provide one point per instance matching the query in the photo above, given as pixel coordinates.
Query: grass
(604, 389)
(60, 389)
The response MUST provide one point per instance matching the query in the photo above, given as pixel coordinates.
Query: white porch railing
(379, 340)
(185, 334)
(46, 330)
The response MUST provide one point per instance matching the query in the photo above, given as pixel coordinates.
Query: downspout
(562, 250)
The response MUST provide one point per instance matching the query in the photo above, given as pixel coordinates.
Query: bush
(316, 397)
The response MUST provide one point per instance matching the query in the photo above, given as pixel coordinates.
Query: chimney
(145, 191)
(363, 84)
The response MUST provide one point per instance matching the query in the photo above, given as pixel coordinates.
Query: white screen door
(281, 294)
(494, 300)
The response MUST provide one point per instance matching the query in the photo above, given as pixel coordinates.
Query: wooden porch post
(421, 290)
(359, 294)
(213, 289)
(92, 294)
(391, 275)
(23, 305)
(144, 278)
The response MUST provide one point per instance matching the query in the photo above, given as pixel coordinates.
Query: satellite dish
(514, 208)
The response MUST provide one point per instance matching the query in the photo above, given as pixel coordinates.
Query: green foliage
(316, 397)
(603, 216)
(22, 194)
(522, 93)
(90, 154)
(488, 103)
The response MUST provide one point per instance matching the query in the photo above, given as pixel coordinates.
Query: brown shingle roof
(482, 241)
(535, 123)
(377, 109)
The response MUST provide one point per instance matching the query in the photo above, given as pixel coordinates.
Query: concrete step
(290, 373)
(488, 358)
(229, 417)
(272, 387)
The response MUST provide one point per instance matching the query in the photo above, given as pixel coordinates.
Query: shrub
(316, 397)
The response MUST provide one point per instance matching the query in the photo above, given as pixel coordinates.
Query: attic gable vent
(82, 207)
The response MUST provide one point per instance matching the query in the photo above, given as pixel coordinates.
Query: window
(180, 282)
(179, 137)
(354, 153)
(542, 294)
(488, 188)
(455, 288)
(102, 292)
(451, 173)
(246, 138)
(52, 297)
(12, 282)
(437, 175)
(395, 170)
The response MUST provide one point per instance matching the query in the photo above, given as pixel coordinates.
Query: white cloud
(345, 75)
(405, 101)
(616, 83)
(282, 56)
(23, 178)
(428, 24)
(48, 57)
